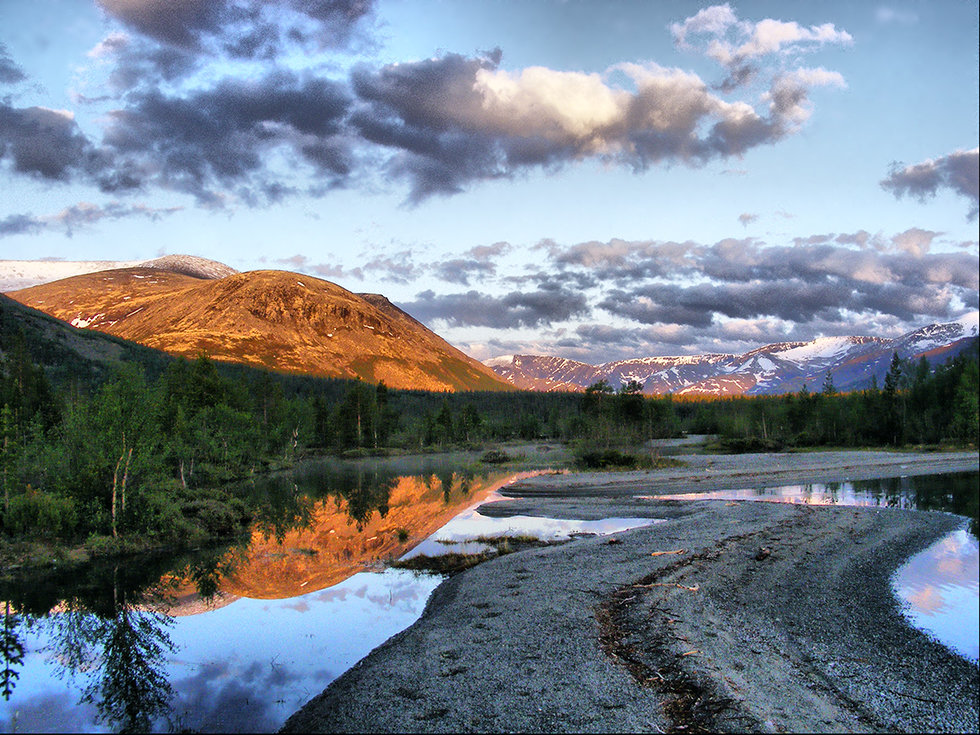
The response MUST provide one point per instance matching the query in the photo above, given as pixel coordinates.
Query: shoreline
(593, 635)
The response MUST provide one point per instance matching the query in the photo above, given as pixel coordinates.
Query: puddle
(938, 591)
(458, 534)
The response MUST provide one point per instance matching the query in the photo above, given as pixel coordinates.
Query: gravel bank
(718, 634)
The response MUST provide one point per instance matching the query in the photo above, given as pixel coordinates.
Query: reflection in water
(938, 587)
(458, 535)
(99, 639)
(235, 638)
(957, 492)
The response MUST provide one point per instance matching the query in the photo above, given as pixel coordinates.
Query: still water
(938, 587)
(238, 638)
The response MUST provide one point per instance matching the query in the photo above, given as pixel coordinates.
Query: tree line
(161, 456)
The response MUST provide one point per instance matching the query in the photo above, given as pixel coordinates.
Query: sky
(597, 179)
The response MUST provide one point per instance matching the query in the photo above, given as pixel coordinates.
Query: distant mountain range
(781, 367)
(274, 319)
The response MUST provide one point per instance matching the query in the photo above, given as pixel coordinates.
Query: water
(938, 587)
(238, 638)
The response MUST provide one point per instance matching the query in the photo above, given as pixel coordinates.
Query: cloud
(453, 120)
(243, 28)
(10, 72)
(886, 15)
(189, 120)
(216, 140)
(958, 171)
(83, 214)
(741, 45)
(461, 270)
(816, 279)
(42, 142)
(396, 267)
(516, 309)
(914, 241)
(747, 219)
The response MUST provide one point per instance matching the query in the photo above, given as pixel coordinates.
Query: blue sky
(596, 180)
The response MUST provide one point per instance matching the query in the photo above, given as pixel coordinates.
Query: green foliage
(606, 459)
(41, 514)
(161, 454)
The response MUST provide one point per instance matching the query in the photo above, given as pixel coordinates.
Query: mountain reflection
(346, 524)
(105, 630)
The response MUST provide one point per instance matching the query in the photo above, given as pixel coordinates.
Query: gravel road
(730, 616)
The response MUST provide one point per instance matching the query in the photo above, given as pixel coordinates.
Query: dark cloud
(42, 142)
(396, 267)
(243, 28)
(20, 224)
(78, 216)
(461, 270)
(813, 280)
(10, 72)
(959, 171)
(439, 124)
(214, 140)
(516, 309)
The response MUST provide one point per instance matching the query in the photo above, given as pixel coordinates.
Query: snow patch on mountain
(822, 348)
(18, 274)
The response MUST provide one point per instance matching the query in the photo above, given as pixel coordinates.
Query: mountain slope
(781, 367)
(274, 319)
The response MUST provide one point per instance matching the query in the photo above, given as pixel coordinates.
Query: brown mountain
(275, 319)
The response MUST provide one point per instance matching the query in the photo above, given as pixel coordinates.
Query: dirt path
(600, 636)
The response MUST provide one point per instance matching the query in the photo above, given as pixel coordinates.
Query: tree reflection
(106, 632)
(130, 689)
(957, 492)
(12, 649)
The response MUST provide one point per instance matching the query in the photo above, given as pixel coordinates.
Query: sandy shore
(716, 634)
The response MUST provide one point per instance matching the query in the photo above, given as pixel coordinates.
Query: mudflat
(726, 616)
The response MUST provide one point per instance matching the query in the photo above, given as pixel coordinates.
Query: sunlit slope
(275, 319)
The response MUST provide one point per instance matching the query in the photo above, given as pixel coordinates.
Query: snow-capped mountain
(781, 367)
(18, 274)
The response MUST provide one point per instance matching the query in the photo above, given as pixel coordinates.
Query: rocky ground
(729, 616)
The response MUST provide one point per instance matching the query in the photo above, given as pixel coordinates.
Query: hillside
(69, 354)
(781, 367)
(273, 319)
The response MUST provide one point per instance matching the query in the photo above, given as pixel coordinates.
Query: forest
(146, 456)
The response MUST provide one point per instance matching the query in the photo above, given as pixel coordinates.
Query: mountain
(19, 274)
(782, 367)
(274, 319)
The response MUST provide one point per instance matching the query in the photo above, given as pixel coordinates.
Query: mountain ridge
(779, 367)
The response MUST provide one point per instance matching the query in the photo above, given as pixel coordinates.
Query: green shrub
(598, 459)
(40, 514)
